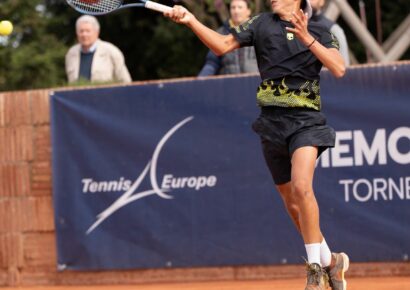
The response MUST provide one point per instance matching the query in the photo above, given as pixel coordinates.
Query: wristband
(314, 40)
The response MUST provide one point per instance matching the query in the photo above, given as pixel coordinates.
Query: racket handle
(157, 7)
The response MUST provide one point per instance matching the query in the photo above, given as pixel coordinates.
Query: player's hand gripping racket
(100, 7)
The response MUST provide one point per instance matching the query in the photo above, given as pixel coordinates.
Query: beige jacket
(108, 64)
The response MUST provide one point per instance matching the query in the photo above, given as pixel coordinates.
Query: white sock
(325, 254)
(313, 253)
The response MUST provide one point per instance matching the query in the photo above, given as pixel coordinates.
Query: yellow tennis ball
(6, 27)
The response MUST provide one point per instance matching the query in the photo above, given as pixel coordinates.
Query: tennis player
(290, 52)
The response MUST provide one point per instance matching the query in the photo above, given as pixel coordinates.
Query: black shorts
(283, 130)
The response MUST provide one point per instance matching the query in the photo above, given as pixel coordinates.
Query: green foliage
(37, 66)
(176, 53)
(30, 57)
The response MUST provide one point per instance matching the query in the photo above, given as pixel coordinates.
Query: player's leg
(276, 153)
(290, 203)
(288, 198)
(336, 264)
(303, 167)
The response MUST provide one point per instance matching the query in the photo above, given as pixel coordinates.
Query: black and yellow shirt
(289, 70)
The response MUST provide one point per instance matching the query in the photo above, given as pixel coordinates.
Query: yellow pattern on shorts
(271, 93)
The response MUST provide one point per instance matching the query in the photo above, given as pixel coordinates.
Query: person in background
(242, 60)
(92, 59)
(333, 27)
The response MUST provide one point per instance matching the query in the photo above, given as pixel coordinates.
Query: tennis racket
(101, 7)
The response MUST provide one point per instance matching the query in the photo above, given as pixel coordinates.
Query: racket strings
(96, 6)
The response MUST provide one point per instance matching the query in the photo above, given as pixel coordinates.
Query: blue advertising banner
(171, 174)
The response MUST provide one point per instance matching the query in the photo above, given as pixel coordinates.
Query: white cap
(308, 8)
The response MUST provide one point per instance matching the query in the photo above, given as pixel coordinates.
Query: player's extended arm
(330, 57)
(218, 43)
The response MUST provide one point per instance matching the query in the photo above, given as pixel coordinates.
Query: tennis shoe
(317, 277)
(336, 271)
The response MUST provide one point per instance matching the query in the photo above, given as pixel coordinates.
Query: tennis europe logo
(131, 194)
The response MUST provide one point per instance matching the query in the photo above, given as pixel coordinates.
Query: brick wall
(27, 237)
(26, 216)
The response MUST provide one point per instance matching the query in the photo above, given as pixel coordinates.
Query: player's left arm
(330, 57)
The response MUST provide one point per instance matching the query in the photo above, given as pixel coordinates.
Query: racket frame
(142, 3)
